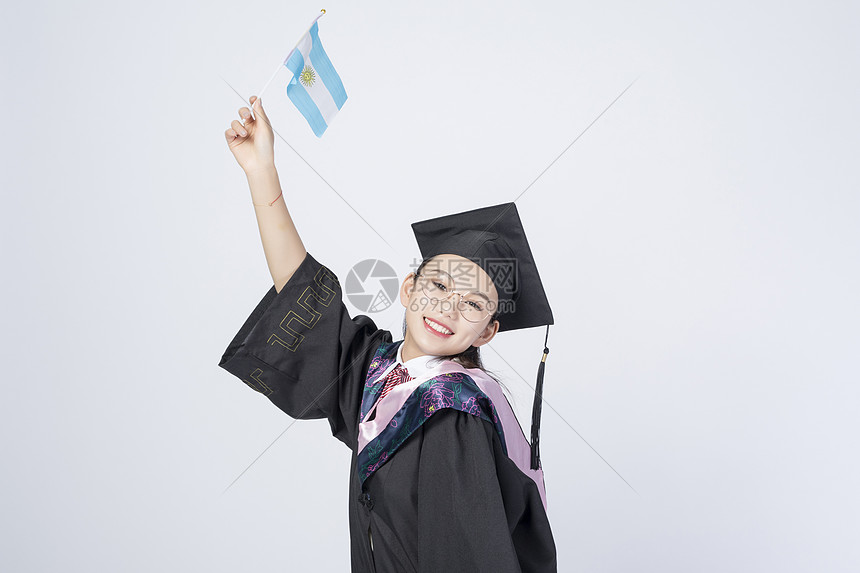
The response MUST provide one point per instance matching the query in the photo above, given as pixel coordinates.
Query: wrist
(264, 184)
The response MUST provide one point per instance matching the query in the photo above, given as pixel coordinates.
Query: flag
(315, 88)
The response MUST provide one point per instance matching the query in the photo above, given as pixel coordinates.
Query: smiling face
(438, 327)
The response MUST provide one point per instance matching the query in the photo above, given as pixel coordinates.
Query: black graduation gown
(449, 499)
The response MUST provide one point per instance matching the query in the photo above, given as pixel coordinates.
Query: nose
(448, 306)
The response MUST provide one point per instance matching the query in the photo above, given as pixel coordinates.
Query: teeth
(437, 327)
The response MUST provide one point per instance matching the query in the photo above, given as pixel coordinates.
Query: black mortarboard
(494, 238)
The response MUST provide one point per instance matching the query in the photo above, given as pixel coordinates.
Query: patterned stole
(394, 405)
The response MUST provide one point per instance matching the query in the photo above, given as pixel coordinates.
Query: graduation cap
(494, 239)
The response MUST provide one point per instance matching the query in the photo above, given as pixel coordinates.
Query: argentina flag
(315, 88)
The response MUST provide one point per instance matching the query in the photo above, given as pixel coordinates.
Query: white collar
(417, 366)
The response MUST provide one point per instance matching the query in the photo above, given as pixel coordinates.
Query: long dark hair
(469, 358)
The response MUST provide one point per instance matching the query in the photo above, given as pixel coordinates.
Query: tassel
(536, 408)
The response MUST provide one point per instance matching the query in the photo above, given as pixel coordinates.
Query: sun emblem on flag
(308, 76)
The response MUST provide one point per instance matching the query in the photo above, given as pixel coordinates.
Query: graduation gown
(448, 497)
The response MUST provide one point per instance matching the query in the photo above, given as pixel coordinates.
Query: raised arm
(252, 144)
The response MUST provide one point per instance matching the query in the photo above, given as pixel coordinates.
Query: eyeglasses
(473, 307)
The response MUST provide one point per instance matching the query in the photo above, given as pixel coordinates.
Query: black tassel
(536, 409)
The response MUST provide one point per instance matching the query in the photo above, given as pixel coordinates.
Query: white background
(699, 244)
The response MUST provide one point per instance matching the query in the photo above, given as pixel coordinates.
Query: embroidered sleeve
(300, 348)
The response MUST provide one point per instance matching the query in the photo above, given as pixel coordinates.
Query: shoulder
(458, 389)
(468, 449)
(459, 430)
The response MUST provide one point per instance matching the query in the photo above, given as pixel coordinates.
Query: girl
(442, 476)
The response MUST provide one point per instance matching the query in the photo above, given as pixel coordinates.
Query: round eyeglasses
(474, 307)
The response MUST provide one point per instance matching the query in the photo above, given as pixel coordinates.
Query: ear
(406, 289)
(487, 335)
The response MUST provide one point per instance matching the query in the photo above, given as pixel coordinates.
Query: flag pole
(278, 69)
